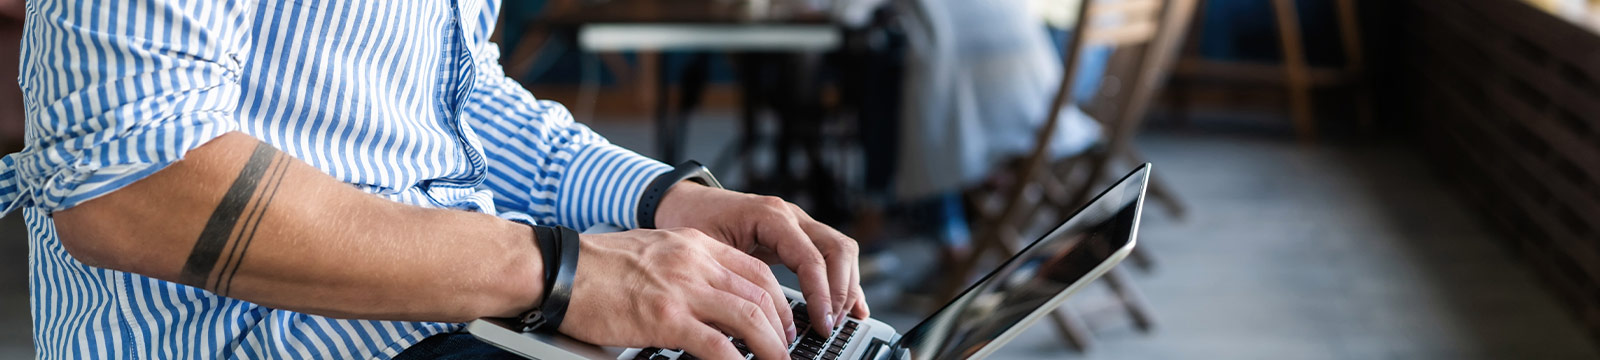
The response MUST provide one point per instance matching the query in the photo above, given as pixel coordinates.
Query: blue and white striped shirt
(401, 98)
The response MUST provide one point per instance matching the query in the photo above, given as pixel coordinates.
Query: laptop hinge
(877, 350)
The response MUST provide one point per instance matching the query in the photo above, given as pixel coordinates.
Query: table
(700, 26)
(774, 43)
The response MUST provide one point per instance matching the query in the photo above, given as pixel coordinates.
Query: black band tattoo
(227, 236)
(252, 222)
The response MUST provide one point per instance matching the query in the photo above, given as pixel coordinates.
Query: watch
(651, 199)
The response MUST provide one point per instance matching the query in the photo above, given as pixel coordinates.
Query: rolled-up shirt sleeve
(542, 162)
(116, 90)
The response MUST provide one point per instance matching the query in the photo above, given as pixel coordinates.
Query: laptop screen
(990, 312)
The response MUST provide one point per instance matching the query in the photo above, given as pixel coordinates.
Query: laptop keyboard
(809, 346)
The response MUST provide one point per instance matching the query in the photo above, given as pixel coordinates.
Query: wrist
(522, 281)
(650, 202)
(679, 205)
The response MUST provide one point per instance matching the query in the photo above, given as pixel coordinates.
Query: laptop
(983, 318)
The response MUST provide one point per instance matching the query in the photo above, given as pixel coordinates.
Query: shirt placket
(461, 72)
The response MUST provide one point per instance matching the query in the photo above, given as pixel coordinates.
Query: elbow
(90, 250)
(94, 243)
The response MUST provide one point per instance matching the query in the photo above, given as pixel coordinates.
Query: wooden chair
(1153, 44)
(1299, 78)
(1005, 208)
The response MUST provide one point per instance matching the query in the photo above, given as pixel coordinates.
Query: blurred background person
(980, 79)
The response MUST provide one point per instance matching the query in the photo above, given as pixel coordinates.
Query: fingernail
(791, 332)
(829, 320)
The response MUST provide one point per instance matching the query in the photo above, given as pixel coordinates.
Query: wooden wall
(1508, 99)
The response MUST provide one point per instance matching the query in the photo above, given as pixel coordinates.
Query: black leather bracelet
(550, 250)
(559, 247)
(651, 199)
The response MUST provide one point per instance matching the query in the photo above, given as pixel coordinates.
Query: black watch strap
(559, 246)
(651, 199)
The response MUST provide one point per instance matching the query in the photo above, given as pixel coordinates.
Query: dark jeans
(454, 346)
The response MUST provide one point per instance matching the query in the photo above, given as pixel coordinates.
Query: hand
(776, 231)
(676, 289)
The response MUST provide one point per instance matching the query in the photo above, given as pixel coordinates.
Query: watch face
(704, 177)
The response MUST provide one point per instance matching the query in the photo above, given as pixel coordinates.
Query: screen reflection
(1026, 283)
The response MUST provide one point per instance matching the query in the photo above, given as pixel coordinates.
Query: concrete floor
(1324, 253)
(1289, 252)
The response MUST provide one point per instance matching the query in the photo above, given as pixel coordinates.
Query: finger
(758, 274)
(855, 290)
(839, 253)
(834, 244)
(705, 342)
(840, 285)
(858, 307)
(859, 296)
(858, 303)
(801, 256)
(744, 319)
(862, 311)
(848, 304)
(737, 285)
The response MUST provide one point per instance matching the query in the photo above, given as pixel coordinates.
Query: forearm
(260, 226)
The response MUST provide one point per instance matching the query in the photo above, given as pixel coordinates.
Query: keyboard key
(646, 353)
(834, 353)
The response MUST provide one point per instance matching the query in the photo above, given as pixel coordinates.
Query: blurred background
(1334, 179)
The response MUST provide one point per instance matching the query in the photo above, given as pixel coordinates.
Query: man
(344, 179)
